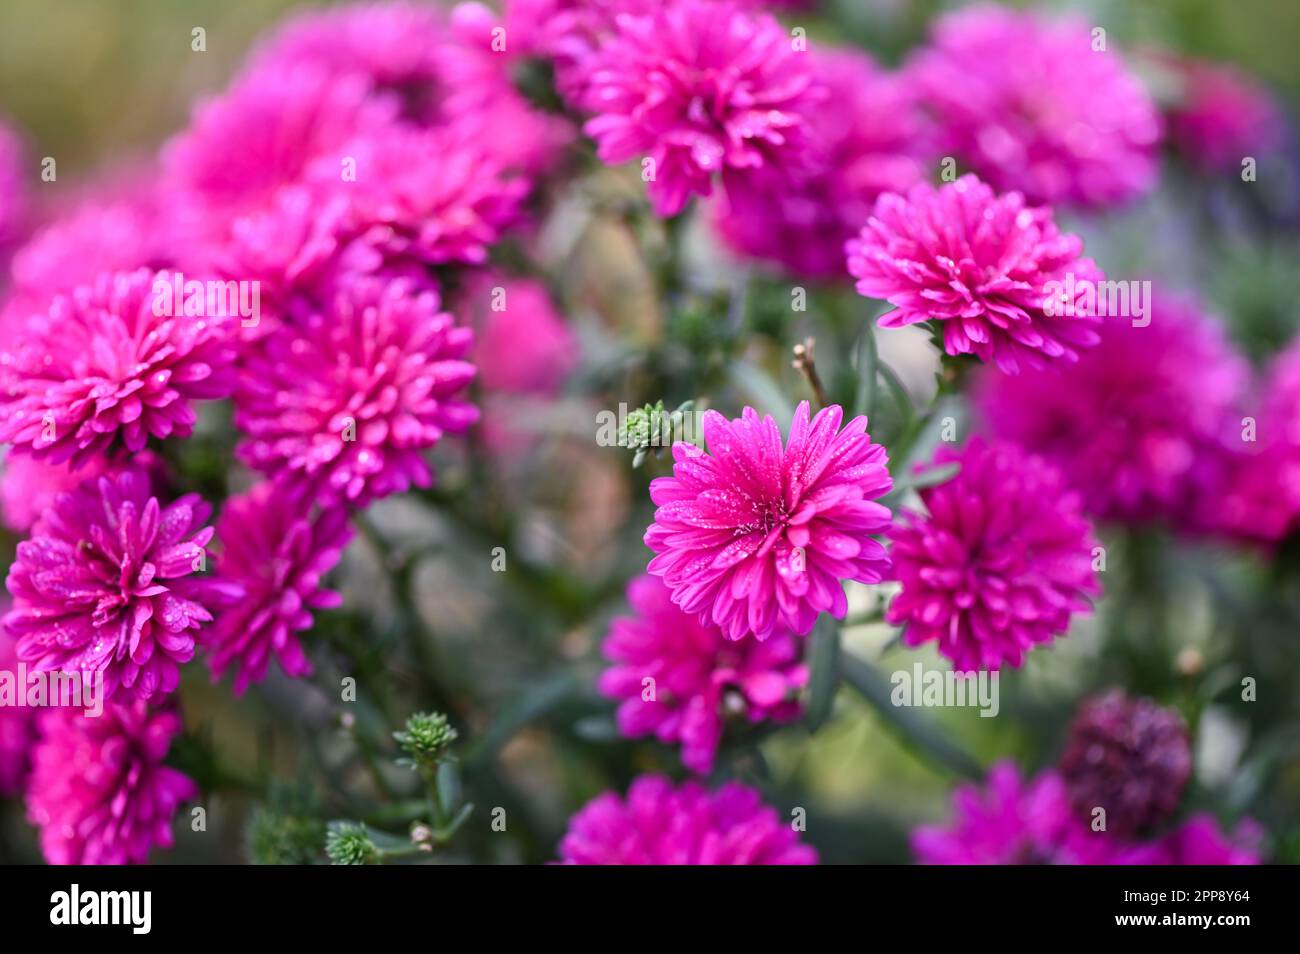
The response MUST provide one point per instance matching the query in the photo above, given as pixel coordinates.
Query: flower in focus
(866, 137)
(104, 585)
(104, 368)
(995, 276)
(703, 90)
(524, 349)
(998, 564)
(658, 824)
(698, 676)
(1032, 106)
(751, 536)
(1127, 756)
(1135, 425)
(1222, 117)
(277, 553)
(342, 405)
(99, 792)
(1012, 821)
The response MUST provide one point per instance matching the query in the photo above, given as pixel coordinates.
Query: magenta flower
(524, 349)
(1137, 424)
(433, 196)
(342, 405)
(1259, 500)
(1199, 841)
(29, 487)
(17, 728)
(1128, 756)
(696, 676)
(998, 564)
(260, 135)
(751, 536)
(103, 369)
(104, 585)
(995, 276)
(1222, 117)
(702, 89)
(1011, 821)
(277, 554)
(661, 825)
(866, 137)
(99, 792)
(1033, 106)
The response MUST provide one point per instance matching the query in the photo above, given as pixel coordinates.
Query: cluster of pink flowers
(357, 151)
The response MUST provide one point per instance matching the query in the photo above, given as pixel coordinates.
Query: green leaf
(867, 367)
(918, 731)
(766, 394)
(824, 654)
(539, 699)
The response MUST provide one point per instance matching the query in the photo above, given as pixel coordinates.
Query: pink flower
(705, 90)
(343, 404)
(29, 487)
(1032, 105)
(1259, 500)
(104, 585)
(106, 369)
(751, 536)
(661, 825)
(260, 135)
(697, 676)
(993, 274)
(433, 196)
(17, 727)
(866, 137)
(1200, 841)
(524, 349)
(1222, 117)
(998, 564)
(1010, 821)
(1137, 424)
(99, 792)
(276, 553)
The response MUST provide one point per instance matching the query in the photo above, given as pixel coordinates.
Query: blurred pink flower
(17, 724)
(1137, 424)
(866, 137)
(704, 90)
(698, 676)
(998, 564)
(994, 275)
(687, 825)
(1032, 105)
(99, 792)
(751, 536)
(1199, 841)
(1221, 117)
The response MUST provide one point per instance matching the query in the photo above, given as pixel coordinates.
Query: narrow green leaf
(762, 390)
(868, 358)
(915, 729)
(824, 679)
